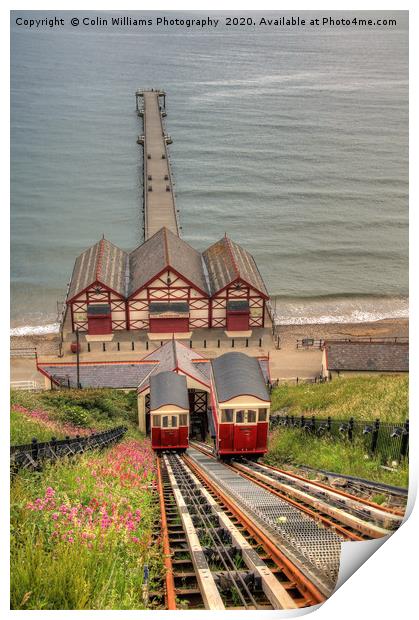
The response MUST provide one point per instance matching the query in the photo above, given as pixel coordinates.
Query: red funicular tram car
(241, 404)
(169, 412)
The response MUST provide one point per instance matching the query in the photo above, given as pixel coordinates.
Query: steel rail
(170, 583)
(309, 591)
(345, 494)
(211, 531)
(347, 534)
(347, 511)
(303, 503)
(338, 517)
(274, 590)
(209, 591)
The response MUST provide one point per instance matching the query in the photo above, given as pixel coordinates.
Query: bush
(75, 415)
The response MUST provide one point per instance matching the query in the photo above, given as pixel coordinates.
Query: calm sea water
(295, 142)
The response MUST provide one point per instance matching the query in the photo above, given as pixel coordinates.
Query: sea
(292, 139)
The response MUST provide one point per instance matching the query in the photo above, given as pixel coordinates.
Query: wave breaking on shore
(35, 330)
(296, 311)
(323, 310)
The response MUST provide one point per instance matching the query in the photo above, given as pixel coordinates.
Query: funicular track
(352, 517)
(215, 557)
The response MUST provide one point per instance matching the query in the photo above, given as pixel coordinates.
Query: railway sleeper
(278, 596)
(225, 583)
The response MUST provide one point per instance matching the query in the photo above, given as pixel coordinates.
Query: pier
(159, 201)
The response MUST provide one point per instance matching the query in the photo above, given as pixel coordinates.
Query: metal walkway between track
(314, 549)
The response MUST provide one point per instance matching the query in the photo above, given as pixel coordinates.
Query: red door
(245, 438)
(164, 326)
(99, 319)
(99, 326)
(237, 321)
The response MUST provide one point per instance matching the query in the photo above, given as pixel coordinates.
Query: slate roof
(173, 355)
(103, 262)
(236, 374)
(125, 273)
(162, 250)
(112, 375)
(367, 356)
(226, 261)
(264, 366)
(168, 388)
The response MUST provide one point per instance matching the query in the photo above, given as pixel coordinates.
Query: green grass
(61, 560)
(98, 409)
(364, 398)
(294, 446)
(83, 530)
(23, 430)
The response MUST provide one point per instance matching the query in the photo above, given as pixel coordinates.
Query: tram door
(198, 425)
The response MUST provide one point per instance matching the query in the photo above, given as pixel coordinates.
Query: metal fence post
(351, 429)
(405, 440)
(302, 422)
(329, 424)
(313, 423)
(374, 438)
(34, 449)
(53, 444)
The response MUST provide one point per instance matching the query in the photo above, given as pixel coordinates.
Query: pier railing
(389, 441)
(34, 454)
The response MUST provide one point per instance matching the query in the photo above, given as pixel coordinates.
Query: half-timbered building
(97, 292)
(166, 286)
(238, 293)
(168, 291)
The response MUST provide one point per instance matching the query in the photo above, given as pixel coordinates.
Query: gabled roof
(174, 356)
(227, 261)
(104, 262)
(165, 249)
(168, 388)
(236, 374)
(368, 356)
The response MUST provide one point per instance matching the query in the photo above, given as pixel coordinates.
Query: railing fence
(390, 441)
(32, 455)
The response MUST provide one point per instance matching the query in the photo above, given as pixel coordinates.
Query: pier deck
(159, 201)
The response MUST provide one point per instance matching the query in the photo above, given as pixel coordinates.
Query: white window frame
(170, 417)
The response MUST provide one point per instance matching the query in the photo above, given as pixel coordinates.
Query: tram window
(165, 421)
(227, 415)
(239, 417)
(251, 416)
(183, 419)
(174, 421)
(263, 415)
(156, 421)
